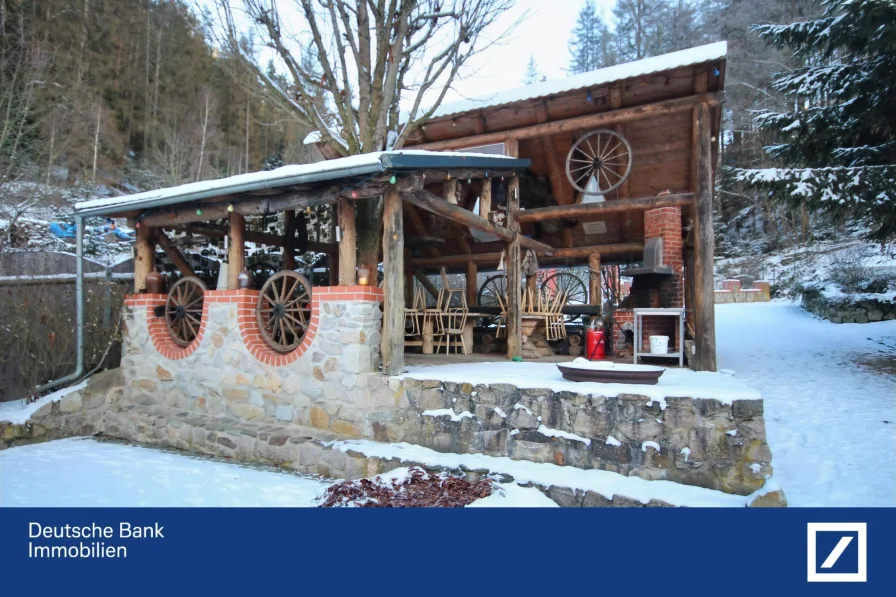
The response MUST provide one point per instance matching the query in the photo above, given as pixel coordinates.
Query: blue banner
(346, 551)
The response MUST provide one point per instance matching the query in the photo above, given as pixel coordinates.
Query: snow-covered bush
(848, 268)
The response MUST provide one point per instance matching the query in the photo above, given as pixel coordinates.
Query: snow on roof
(354, 165)
(602, 76)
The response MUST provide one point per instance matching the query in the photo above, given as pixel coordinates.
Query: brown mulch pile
(418, 490)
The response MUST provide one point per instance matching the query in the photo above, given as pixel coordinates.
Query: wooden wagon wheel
(491, 289)
(262, 271)
(183, 310)
(577, 292)
(604, 156)
(284, 310)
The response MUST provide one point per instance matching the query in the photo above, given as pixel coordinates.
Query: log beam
(237, 256)
(574, 124)
(584, 210)
(392, 346)
(173, 254)
(289, 234)
(704, 295)
(426, 200)
(559, 255)
(348, 246)
(514, 267)
(144, 258)
(252, 236)
(594, 279)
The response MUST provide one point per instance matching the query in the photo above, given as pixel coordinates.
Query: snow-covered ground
(80, 472)
(830, 399)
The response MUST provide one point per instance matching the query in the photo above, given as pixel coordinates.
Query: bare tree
(376, 57)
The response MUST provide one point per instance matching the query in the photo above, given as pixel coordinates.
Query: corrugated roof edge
(610, 74)
(358, 165)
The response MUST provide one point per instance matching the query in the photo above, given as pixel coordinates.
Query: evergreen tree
(592, 45)
(838, 139)
(532, 75)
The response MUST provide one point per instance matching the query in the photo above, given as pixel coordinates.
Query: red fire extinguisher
(594, 343)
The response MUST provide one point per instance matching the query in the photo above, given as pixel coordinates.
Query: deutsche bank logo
(837, 552)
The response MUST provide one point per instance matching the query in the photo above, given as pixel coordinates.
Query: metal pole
(79, 314)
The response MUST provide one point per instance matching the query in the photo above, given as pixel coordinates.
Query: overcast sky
(544, 34)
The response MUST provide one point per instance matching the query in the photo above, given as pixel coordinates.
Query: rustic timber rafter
(573, 124)
(558, 255)
(437, 205)
(263, 238)
(583, 210)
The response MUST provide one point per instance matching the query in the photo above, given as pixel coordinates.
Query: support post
(472, 286)
(237, 257)
(451, 190)
(144, 259)
(594, 279)
(485, 198)
(332, 259)
(348, 247)
(289, 235)
(514, 265)
(392, 348)
(704, 296)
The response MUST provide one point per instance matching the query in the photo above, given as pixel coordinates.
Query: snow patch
(687, 453)
(564, 434)
(649, 444)
(519, 405)
(447, 412)
(731, 432)
(612, 441)
(20, 416)
(755, 467)
(500, 412)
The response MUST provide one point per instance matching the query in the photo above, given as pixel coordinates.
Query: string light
(448, 177)
(589, 97)
(486, 173)
(137, 225)
(198, 211)
(469, 181)
(392, 179)
(354, 194)
(230, 208)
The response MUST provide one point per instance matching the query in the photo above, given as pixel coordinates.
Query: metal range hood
(653, 260)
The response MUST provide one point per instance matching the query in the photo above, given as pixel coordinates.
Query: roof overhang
(331, 171)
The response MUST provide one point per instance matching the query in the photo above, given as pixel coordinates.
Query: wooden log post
(332, 259)
(173, 254)
(704, 295)
(392, 348)
(144, 258)
(472, 283)
(594, 279)
(348, 245)
(514, 265)
(451, 190)
(237, 256)
(289, 235)
(485, 198)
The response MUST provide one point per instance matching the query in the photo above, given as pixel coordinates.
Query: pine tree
(532, 75)
(592, 45)
(838, 139)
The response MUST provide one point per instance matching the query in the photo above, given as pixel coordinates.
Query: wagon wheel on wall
(604, 156)
(284, 310)
(491, 289)
(183, 310)
(262, 271)
(577, 292)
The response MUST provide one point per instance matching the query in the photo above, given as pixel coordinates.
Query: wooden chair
(555, 328)
(502, 318)
(413, 314)
(432, 316)
(455, 320)
(451, 292)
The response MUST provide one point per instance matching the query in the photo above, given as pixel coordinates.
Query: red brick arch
(158, 331)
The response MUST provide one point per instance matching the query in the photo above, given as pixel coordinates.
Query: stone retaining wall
(694, 441)
(846, 310)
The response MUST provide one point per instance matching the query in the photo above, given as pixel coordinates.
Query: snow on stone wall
(849, 310)
(579, 428)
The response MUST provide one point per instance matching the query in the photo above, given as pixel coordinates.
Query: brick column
(665, 222)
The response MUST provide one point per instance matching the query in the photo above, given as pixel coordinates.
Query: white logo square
(814, 573)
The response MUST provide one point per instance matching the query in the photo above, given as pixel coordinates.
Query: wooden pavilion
(648, 132)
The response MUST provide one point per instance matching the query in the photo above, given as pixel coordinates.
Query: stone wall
(229, 370)
(848, 310)
(693, 441)
(733, 292)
